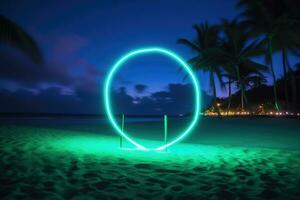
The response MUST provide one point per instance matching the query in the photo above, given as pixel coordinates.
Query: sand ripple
(33, 166)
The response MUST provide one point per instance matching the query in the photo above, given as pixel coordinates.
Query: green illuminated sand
(55, 163)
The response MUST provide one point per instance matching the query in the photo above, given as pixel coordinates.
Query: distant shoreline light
(182, 63)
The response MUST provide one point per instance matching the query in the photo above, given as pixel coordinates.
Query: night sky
(81, 40)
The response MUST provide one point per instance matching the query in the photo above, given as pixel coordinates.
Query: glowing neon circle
(179, 61)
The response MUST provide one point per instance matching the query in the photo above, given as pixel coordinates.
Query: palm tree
(279, 22)
(251, 77)
(263, 21)
(13, 34)
(294, 86)
(207, 38)
(287, 40)
(235, 52)
(230, 80)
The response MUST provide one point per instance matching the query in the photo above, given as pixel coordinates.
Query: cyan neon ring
(180, 61)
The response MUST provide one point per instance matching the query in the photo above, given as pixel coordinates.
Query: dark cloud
(65, 83)
(68, 83)
(68, 45)
(63, 67)
(140, 88)
(51, 100)
(178, 99)
(17, 68)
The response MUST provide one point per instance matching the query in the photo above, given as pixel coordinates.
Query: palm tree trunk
(270, 52)
(242, 87)
(294, 86)
(242, 100)
(229, 94)
(285, 77)
(212, 79)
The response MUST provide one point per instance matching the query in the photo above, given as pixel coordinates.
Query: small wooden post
(122, 127)
(166, 129)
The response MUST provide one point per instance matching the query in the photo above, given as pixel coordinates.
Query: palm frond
(13, 34)
(189, 44)
(248, 66)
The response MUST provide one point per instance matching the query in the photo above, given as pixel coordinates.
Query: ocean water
(280, 133)
(57, 121)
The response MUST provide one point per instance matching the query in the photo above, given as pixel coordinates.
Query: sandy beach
(54, 163)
